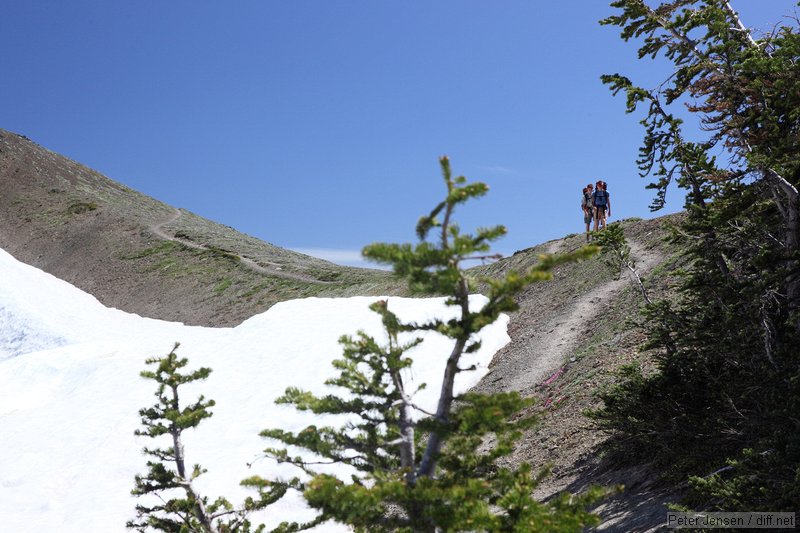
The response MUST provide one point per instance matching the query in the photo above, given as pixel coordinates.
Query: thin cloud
(339, 256)
(500, 170)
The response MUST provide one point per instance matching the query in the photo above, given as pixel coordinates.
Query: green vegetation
(326, 275)
(220, 287)
(165, 257)
(721, 407)
(169, 483)
(617, 254)
(162, 247)
(222, 253)
(79, 208)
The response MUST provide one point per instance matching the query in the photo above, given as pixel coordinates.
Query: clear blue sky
(317, 124)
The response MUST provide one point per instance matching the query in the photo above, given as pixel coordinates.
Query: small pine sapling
(617, 252)
(417, 470)
(178, 507)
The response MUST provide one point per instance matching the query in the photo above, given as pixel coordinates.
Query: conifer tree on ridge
(419, 471)
(721, 409)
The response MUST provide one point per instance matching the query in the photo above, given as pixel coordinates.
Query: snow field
(70, 392)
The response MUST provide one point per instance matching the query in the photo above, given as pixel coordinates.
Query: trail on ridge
(273, 270)
(543, 340)
(549, 341)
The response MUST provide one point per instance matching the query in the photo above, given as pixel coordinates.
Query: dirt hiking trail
(543, 341)
(273, 269)
(525, 363)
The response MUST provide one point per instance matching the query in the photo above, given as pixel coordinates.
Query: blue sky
(317, 124)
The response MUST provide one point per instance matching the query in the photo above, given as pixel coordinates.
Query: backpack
(600, 198)
(587, 200)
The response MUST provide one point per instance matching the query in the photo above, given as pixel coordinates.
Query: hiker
(588, 209)
(601, 201)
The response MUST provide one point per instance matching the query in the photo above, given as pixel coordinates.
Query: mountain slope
(143, 256)
(568, 339)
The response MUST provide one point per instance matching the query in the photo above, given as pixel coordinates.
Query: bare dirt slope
(568, 339)
(140, 255)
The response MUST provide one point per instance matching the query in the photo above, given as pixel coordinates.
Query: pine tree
(722, 405)
(169, 482)
(617, 253)
(428, 471)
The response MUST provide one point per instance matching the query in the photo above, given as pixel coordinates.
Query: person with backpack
(588, 209)
(601, 201)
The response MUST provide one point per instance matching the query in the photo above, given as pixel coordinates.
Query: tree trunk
(199, 509)
(407, 427)
(793, 263)
(428, 463)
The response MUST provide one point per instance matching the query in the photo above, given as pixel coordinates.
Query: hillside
(568, 339)
(140, 255)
